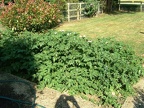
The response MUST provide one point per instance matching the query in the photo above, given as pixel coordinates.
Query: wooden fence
(75, 10)
(132, 2)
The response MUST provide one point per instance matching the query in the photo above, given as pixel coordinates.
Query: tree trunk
(109, 4)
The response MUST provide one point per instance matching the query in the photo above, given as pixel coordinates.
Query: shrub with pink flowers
(30, 15)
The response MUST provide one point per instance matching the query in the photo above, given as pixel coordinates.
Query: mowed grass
(126, 27)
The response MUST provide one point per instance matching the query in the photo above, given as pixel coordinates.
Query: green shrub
(16, 55)
(30, 15)
(130, 8)
(91, 8)
(7, 1)
(67, 62)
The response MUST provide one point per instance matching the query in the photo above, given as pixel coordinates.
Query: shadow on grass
(65, 101)
(139, 99)
(121, 12)
(142, 32)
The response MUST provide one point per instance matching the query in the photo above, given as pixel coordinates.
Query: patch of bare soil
(51, 98)
(19, 89)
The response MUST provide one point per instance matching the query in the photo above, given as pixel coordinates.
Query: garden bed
(51, 98)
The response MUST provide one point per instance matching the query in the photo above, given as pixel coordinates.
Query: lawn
(127, 27)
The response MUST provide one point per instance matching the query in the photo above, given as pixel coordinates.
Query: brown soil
(51, 98)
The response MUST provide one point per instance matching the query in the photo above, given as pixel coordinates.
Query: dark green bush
(134, 8)
(30, 15)
(91, 8)
(16, 55)
(65, 61)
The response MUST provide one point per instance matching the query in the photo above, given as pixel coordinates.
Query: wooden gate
(74, 10)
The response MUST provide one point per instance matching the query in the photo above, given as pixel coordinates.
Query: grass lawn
(127, 27)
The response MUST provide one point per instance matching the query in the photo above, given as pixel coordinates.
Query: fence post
(119, 5)
(141, 5)
(68, 12)
(78, 10)
(98, 7)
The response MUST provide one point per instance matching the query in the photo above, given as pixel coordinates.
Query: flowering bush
(30, 15)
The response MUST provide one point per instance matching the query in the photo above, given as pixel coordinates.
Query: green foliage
(91, 8)
(30, 15)
(69, 62)
(7, 1)
(130, 8)
(61, 4)
(16, 55)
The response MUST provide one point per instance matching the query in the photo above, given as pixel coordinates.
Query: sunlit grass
(127, 27)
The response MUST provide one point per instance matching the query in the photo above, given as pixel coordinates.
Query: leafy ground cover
(68, 62)
(127, 27)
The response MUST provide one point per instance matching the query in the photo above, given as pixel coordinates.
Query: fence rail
(132, 2)
(77, 10)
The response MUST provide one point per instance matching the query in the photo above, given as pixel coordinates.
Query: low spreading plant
(66, 61)
(30, 15)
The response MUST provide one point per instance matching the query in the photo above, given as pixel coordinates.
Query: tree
(109, 5)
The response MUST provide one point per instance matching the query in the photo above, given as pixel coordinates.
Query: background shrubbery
(67, 62)
(91, 8)
(134, 8)
(30, 15)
